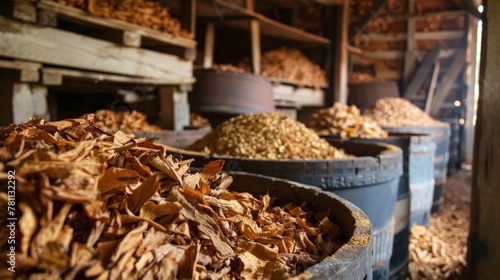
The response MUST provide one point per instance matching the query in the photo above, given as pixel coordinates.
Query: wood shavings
(125, 121)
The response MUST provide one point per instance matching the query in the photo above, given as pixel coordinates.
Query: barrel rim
(362, 227)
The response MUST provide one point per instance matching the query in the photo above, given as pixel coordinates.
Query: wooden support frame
(456, 67)
(409, 57)
(422, 72)
(341, 67)
(208, 55)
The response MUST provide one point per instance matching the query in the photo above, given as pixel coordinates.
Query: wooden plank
(52, 46)
(19, 9)
(188, 15)
(299, 96)
(415, 83)
(208, 55)
(56, 76)
(20, 71)
(456, 67)
(391, 55)
(268, 26)
(77, 14)
(483, 254)
(357, 27)
(432, 87)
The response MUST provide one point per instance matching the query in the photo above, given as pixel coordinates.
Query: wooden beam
(208, 54)
(409, 59)
(357, 27)
(415, 83)
(20, 9)
(57, 47)
(432, 87)
(341, 91)
(174, 108)
(442, 91)
(254, 39)
(483, 254)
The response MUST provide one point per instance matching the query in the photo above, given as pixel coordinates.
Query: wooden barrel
(415, 192)
(221, 95)
(441, 137)
(369, 180)
(353, 259)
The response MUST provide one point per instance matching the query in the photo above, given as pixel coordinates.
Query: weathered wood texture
(53, 46)
(484, 245)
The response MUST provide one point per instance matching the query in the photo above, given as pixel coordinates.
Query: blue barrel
(417, 180)
(370, 181)
(441, 137)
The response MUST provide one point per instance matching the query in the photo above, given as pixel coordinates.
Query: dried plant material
(134, 121)
(440, 251)
(393, 111)
(266, 135)
(291, 65)
(360, 78)
(345, 121)
(221, 67)
(196, 120)
(146, 13)
(102, 206)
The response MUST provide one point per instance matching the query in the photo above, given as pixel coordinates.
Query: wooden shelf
(236, 16)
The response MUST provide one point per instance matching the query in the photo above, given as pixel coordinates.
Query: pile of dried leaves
(125, 121)
(107, 206)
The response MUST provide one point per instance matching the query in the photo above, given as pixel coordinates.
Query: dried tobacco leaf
(101, 206)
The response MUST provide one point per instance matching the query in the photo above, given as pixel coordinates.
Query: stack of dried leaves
(267, 136)
(393, 111)
(95, 205)
(345, 121)
(125, 121)
(146, 13)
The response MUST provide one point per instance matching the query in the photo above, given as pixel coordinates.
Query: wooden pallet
(49, 13)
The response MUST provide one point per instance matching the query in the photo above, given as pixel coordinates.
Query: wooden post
(188, 15)
(483, 254)
(468, 136)
(174, 108)
(255, 39)
(342, 58)
(432, 87)
(208, 55)
(409, 62)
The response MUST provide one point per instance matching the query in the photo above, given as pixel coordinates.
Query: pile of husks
(95, 205)
(393, 111)
(267, 136)
(345, 121)
(146, 13)
(125, 121)
(196, 120)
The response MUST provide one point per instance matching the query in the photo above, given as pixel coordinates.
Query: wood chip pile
(93, 205)
(393, 111)
(346, 122)
(133, 121)
(266, 136)
(145, 13)
(439, 251)
(291, 65)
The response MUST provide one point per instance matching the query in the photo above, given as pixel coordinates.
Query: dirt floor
(439, 251)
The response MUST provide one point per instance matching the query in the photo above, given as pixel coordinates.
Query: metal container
(352, 260)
